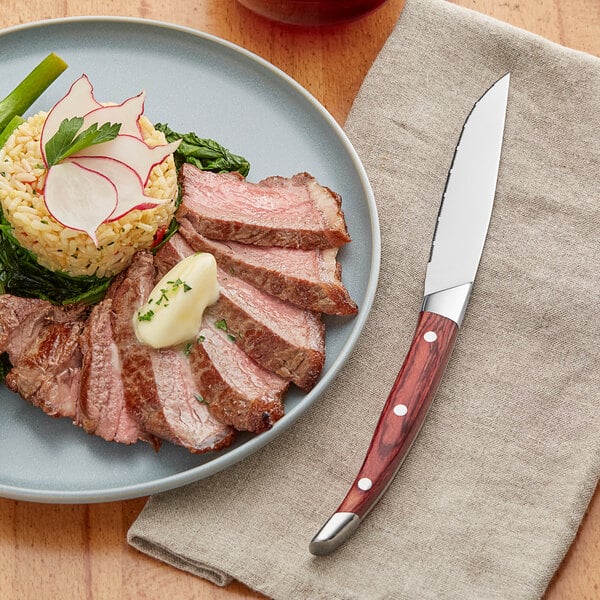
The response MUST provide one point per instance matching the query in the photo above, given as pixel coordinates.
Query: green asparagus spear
(29, 90)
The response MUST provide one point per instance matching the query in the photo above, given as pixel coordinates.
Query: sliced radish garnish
(102, 182)
(77, 102)
(129, 186)
(127, 114)
(79, 198)
(133, 152)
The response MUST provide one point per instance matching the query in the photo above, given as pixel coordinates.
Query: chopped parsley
(173, 286)
(163, 296)
(147, 316)
(200, 399)
(221, 324)
(187, 349)
(178, 283)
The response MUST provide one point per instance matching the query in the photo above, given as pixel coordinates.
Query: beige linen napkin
(493, 491)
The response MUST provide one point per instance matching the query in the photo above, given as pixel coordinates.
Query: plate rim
(249, 447)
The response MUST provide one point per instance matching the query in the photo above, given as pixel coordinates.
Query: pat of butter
(173, 313)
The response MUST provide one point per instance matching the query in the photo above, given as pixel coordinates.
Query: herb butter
(173, 313)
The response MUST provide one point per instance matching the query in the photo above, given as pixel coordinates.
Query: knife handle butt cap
(334, 533)
(402, 416)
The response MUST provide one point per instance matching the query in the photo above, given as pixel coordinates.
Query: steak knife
(458, 242)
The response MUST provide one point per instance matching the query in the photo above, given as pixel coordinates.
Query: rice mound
(59, 248)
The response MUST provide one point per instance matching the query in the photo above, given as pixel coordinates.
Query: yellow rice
(60, 248)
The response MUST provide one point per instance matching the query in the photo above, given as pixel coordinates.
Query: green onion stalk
(14, 106)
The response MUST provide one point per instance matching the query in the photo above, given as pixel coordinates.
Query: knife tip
(504, 80)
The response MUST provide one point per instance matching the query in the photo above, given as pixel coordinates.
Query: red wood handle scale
(398, 426)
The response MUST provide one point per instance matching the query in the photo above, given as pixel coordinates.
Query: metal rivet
(365, 484)
(430, 336)
(400, 410)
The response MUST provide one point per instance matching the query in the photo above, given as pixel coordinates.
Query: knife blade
(458, 242)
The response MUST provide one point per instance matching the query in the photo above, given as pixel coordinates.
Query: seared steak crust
(280, 337)
(42, 344)
(293, 213)
(310, 279)
(237, 390)
(47, 374)
(21, 319)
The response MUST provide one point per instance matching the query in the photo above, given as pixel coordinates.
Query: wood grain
(414, 390)
(80, 552)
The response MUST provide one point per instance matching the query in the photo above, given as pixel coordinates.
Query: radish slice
(79, 198)
(127, 114)
(130, 190)
(133, 152)
(102, 182)
(78, 101)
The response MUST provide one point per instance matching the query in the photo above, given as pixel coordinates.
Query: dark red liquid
(312, 12)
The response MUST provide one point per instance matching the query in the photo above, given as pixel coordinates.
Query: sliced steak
(102, 409)
(166, 403)
(42, 344)
(294, 213)
(47, 373)
(237, 390)
(159, 388)
(310, 279)
(171, 252)
(279, 336)
(21, 319)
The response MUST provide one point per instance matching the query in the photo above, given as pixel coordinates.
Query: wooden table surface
(79, 551)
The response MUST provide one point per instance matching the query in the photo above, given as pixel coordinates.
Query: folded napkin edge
(159, 552)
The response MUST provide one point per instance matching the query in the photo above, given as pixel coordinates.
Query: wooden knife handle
(404, 411)
(398, 426)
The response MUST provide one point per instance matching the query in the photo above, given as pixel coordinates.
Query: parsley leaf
(146, 316)
(221, 324)
(200, 398)
(67, 140)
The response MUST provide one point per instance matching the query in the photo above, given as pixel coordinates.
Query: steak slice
(279, 336)
(237, 390)
(21, 319)
(310, 279)
(171, 252)
(159, 387)
(294, 213)
(42, 344)
(47, 373)
(165, 401)
(102, 409)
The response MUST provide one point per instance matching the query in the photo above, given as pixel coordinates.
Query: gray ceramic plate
(194, 82)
